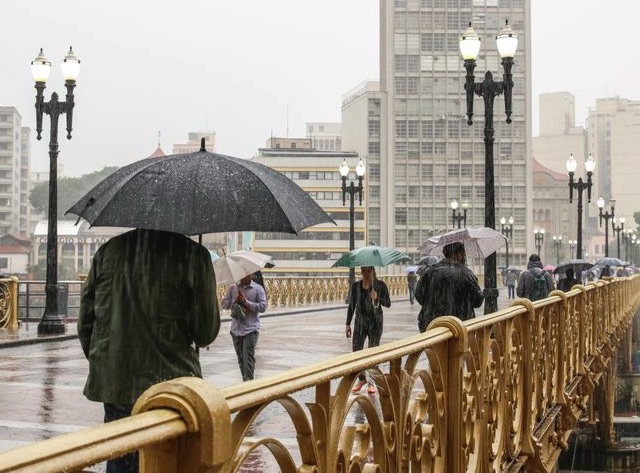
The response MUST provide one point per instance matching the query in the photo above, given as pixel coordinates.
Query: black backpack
(538, 286)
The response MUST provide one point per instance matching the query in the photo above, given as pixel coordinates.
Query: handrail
(502, 390)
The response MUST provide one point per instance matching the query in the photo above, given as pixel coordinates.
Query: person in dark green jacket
(148, 302)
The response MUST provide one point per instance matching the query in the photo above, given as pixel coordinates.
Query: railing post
(13, 291)
(207, 446)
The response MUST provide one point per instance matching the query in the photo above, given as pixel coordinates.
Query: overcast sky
(254, 68)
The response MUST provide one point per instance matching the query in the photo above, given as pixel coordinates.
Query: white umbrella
(478, 242)
(234, 266)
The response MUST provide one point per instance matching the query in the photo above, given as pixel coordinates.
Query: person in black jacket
(368, 296)
(448, 288)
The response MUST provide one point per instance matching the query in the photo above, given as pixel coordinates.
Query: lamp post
(539, 239)
(352, 190)
(627, 237)
(457, 216)
(580, 186)
(507, 231)
(606, 216)
(617, 230)
(51, 322)
(557, 243)
(572, 246)
(488, 89)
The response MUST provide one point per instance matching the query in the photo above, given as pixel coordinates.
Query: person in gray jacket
(535, 283)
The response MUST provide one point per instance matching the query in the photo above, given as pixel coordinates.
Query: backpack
(538, 287)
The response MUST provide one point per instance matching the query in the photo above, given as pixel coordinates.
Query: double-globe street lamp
(538, 238)
(629, 238)
(557, 243)
(572, 246)
(580, 186)
(51, 322)
(488, 89)
(457, 216)
(507, 231)
(617, 229)
(606, 216)
(352, 190)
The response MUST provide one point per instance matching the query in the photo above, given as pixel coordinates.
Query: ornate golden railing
(9, 303)
(497, 393)
(295, 290)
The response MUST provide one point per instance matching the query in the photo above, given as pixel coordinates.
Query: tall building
(317, 172)
(426, 155)
(324, 136)
(613, 134)
(14, 173)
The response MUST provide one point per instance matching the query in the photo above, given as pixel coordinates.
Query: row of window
(325, 236)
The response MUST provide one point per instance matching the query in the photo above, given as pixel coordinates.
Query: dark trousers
(366, 327)
(127, 463)
(512, 292)
(245, 347)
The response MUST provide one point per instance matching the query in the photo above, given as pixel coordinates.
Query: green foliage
(70, 190)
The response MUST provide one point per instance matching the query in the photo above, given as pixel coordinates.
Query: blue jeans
(127, 463)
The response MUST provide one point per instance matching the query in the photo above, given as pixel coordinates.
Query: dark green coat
(149, 299)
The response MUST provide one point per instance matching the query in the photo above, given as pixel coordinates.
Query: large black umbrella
(578, 265)
(198, 193)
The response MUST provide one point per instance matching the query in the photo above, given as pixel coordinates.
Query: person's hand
(241, 299)
(348, 331)
(374, 294)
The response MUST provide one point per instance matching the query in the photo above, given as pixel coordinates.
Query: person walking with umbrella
(448, 288)
(149, 300)
(535, 283)
(368, 296)
(247, 300)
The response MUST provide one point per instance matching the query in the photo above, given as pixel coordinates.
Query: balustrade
(500, 392)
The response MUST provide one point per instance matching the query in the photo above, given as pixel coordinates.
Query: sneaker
(359, 385)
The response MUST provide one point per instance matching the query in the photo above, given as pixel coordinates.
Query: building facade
(14, 173)
(426, 154)
(317, 172)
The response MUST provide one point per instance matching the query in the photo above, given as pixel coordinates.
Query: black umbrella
(578, 265)
(609, 261)
(198, 193)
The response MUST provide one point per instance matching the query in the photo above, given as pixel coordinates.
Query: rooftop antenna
(159, 133)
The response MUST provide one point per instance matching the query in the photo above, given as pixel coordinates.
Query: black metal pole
(580, 186)
(52, 322)
(617, 230)
(488, 90)
(352, 190)
(606, 216)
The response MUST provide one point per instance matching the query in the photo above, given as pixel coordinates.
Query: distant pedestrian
(448, 288)
(534, 283)
(250, 301)
(368, 296)
(412, 282)
(566, 283)
(510, 280)
(148, 302)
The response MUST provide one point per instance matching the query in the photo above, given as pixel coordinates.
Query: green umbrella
(371, 256)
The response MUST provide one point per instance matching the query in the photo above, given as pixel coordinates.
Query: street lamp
(352, 190)
(557, 242)
(458, 216)
(488, 89)
(580, 186)
(572, 246)
(539, 239)
(507, 231)
(628, 236)
(617, 230)
(51, 322)
(606, 216)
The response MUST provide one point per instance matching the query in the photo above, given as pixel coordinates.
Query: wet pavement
(42, 378)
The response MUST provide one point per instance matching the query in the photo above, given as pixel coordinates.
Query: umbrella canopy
(411, 269)
(370, 256)
(549, 267)
(578, 265)
(429, 260)
(198, 193)
(478, 242)
(609, 262)
(234, 266)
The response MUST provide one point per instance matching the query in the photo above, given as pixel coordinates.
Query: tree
(70, 190)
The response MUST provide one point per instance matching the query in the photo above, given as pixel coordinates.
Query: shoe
(371, 389)
(359, 385)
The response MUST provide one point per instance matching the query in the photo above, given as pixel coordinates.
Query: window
(401, 216)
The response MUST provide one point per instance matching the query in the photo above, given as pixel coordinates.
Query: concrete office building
(318, 247)
(426, 154)
(613, 135)
(14, 173)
